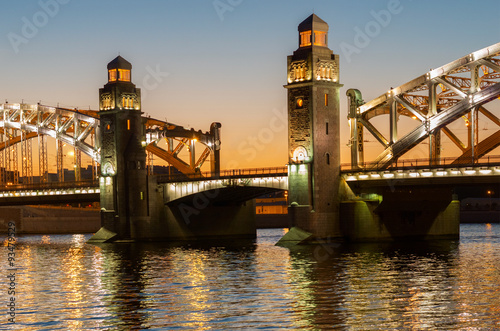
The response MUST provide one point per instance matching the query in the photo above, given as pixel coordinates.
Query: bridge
(21, 123)
(244, 184)
(327, 199)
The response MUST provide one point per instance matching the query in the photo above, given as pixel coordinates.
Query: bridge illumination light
(375, 175)
(388, 175)
(426, 173)
(414, 174)
(363, 176)
(441, 173)
(485, 171)
(470, 172)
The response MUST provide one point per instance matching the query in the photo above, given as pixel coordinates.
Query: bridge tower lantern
(123, 178)
(313, 131)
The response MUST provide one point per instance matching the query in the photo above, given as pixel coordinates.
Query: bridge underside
(226, 196)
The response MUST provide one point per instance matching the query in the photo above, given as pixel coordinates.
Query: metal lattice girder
(78, 165)
(43, 159)
(69, 126)
(158, 130)
(78, 128)
(421, 132)
(436, 99)
(202, 158)
(170, 158)
(15, 160)
(60, 160)
(26, 159)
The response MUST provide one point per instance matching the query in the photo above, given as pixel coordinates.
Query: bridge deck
(225, 174)
(419, 172)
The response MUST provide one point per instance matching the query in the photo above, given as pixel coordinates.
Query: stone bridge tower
(313, 131)
(123, 178)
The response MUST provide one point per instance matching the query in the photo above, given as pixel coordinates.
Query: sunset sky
(203, 61)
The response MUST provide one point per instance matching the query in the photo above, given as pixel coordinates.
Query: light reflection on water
(65, 284)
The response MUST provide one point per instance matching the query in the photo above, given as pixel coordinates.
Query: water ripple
(65, 284)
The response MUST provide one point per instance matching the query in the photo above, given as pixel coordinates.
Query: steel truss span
(462, 88)
(20, 123)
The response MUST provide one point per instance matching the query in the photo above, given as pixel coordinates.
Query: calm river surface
(64, 284)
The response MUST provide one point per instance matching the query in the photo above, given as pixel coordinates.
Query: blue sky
(202, 61)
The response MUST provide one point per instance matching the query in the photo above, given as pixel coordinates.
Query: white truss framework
(79, 128)
(69, 126)
(458, 89)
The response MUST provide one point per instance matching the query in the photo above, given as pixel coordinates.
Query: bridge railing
(224, 174)
(50, 185)
(445, 162)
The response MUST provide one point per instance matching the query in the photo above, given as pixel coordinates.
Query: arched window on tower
(328, 158)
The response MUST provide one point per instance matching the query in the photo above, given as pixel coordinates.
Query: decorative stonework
(300, 154)
(298, 72)
(326, 70)
(300, 128)
(106, 101)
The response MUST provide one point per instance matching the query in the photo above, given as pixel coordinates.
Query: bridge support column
(406, 213)
(435, 147)
(123, 180)
(187, 222)
(313, 131)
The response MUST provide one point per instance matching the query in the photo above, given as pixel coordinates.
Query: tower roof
(313, 22)
(119, 63)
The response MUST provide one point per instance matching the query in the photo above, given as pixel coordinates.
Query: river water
(62, 283)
